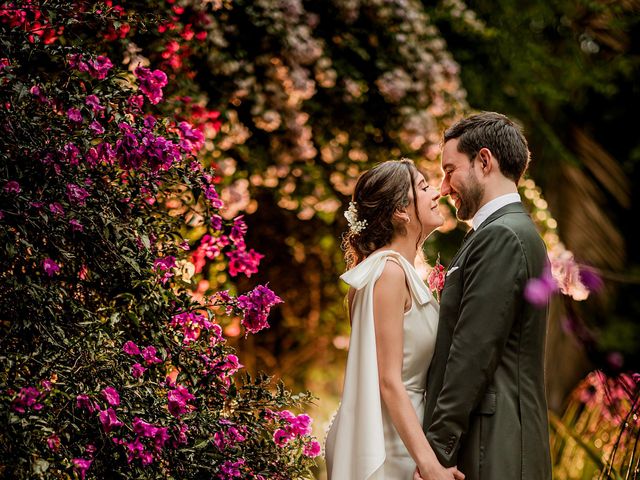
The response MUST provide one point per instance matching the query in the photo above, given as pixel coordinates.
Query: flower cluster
(563, 275)
(151, 83)
(97, 68)
(295, 427)
(351, 214)
(256, 306)
(436, 278)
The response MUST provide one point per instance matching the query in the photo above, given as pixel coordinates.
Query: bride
(377, 432)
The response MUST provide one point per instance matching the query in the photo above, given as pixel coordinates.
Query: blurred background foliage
(318, 92)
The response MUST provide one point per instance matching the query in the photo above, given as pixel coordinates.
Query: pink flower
(99, 67)
(109, 420)
(539, 290)
(12, 187)
(230, 469)
(96, 128)
(238, 232)
(94, 103)
(165, 266)
(130, 348)
(243, 261)
(151, 83)
(77, 194)
(74, 115)
(53, 442)
(178, 399)
(50, 267)
(191, 323)
(137, 370)
(311, 449)
(256, 306)
(136, 102)
(76, 226)
(192, 138)
(281, 437)
(27, 398)
(143, 428)
(111, 395)
(56, 208)
(149, 355)
(82, 465)
(83, 402)
(135, 448)
(436, 278)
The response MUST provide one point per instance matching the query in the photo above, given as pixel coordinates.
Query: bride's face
(427, 198)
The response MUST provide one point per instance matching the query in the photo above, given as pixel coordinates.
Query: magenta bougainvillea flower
(74, 115)
(165, 266)
(53, 442)
(76, 194)
(56, 208)
(81, 466)
(149, 355)
(539, 290)
(93, 102)
(109, 420)
(256, 306)
(83, 402)
(244, 261)
(151, 83)
(137, 370)
(111, 395)
(50, 267)
(178, 400)
(27, 398)
(130, 348)
(12, 187)
(76, 226)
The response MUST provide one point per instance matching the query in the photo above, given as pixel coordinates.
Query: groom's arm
(494, 276)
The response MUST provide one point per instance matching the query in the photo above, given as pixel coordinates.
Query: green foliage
(109, 366)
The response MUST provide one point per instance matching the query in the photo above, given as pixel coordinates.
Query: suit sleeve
(494, 274)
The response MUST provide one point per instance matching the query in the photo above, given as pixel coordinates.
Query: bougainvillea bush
(109, 365)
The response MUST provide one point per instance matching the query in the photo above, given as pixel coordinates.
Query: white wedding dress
(362, 443)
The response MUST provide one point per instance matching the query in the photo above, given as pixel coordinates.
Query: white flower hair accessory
(351, 214)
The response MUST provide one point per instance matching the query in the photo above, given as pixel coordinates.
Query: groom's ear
(485, 158)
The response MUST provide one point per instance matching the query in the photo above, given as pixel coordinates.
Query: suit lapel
(516, 207)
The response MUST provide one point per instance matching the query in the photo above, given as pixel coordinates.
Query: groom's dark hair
(497, 133)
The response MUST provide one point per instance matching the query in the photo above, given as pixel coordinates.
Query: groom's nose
(445, 187)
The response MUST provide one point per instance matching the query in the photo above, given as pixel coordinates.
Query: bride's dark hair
(379, 192)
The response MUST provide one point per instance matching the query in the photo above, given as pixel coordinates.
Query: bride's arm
(389, 296)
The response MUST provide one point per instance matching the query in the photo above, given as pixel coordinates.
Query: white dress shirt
(493, 206)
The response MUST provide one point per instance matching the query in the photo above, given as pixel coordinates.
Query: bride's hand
(451, 473)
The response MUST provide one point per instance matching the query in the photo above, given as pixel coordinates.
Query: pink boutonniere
(436, 277)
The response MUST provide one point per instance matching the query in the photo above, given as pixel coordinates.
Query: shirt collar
(493, 206)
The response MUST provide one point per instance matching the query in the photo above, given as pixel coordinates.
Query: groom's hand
(444, 474)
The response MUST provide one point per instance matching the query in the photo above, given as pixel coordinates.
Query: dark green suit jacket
(486, 409)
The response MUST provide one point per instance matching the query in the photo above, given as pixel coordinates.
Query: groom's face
(460, 181)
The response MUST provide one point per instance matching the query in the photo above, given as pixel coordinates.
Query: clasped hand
(441, 473)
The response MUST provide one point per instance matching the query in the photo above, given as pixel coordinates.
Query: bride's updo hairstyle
(379, 192)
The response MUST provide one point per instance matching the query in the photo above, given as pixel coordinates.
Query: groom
(486, 410)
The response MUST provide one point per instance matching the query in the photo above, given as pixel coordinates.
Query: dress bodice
(362, 439)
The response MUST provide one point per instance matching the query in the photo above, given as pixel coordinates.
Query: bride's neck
(404, 246)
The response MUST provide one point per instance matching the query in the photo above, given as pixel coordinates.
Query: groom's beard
(470, 197)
